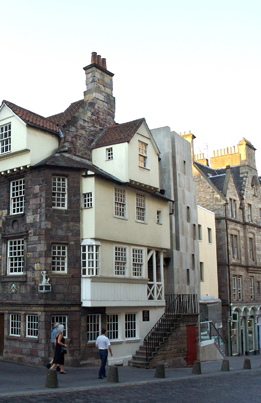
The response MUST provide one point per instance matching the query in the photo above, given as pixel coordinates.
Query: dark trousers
(103, 357)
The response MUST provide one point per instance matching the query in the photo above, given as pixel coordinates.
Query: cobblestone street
(229, 387)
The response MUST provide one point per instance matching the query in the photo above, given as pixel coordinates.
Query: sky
(187, 64)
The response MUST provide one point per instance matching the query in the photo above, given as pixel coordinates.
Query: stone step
(138, 364)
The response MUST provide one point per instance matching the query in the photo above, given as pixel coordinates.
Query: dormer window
(5, 138)
(143, 154)
(109, 153)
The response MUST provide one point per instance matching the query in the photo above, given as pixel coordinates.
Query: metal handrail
(213, 334)
(176, 305)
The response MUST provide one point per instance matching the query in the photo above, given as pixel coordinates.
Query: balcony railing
(208, 331)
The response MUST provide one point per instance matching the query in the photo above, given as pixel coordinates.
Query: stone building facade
(231, 189)
(80, 244)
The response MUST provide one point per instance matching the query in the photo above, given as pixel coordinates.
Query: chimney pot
(94, 57)
(103, 61)
(99, 60)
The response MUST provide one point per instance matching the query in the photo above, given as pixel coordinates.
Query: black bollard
(160, 371)
(51, 379)
(196, 367)
(247, 364)
(113, 374)
(225, 365)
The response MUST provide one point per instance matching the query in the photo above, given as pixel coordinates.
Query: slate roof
(217, 176)
(65, 160)
(32, 119)
(118, 133)
(63, 117)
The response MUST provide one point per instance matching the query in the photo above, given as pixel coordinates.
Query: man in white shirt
(103, 344)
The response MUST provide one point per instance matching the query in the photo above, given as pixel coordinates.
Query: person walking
(60, 347)
(53, 334)
(103, 344)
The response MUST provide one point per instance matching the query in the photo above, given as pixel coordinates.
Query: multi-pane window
(87, 200)
(15, 325)
(234, 246)
(233, 209)
(59, 258)
(251, 287)
(109, 153)
(113, 327)
(90, 260)
(5, 138)
(31, 325)
(62, 319)
(17, 196)
(199, 232)
(15, 256)
(119, 202)
(120, 260)
(143, 154)
(251, 248)
(140, 207)
(130, 325)
(59, 192)
(237, 287)
(209, 235)
(93, 326)
(201, 268)
(249, 212)
(159, 217)
(137, 262)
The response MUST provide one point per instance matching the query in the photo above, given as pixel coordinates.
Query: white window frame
(15, 325)
(159, 217)
(17, 196)
(15, 256)
(234, 239)
(140, 207)
(5, 138)
(32, 324)
(237, 287)
(59, 192)
(130, 325)
(233, 208)
(90, 258)
(143, 154)
(251, 247)
(63, 320)
(87, 200)
(113, 326)
(137, 262)
(120, 203)
(120, 260)
(109, 153)
(93, 322)
(59, 258)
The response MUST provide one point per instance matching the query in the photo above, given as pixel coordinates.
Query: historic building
(84, 225)
(231, 189)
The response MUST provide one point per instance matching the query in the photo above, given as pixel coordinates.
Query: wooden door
(191, 344)
(1, 333)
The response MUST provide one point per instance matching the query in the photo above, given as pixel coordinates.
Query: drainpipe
(229, 283)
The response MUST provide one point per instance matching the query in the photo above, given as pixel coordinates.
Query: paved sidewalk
(18, 379)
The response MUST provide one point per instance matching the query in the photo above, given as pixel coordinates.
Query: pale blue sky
(188, 64)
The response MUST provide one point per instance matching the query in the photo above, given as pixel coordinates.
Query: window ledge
(134, 340)
(63, 275)
(8, 279)
(24, 339)
(116, 341)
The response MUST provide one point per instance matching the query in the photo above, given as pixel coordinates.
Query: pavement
(17, 379)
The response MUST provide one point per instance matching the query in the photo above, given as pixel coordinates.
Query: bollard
(113, 374)
(160, 371)
(51, 379)
(225, 365)
(196, 367)
(247, 364)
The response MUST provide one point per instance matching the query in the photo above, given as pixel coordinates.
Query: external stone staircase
(154, 340)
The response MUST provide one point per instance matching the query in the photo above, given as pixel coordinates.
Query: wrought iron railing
(208, 331)
(176, 306)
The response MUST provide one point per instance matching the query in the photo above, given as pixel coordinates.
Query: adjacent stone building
(231, 189)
